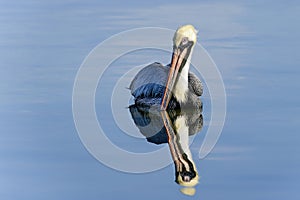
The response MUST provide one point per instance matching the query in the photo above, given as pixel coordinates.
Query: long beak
(176, 62)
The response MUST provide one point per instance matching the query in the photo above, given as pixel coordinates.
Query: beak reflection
(173, 128)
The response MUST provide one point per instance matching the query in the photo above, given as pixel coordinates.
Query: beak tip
(162, 108)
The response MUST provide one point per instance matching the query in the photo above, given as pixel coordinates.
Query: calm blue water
(254, 44)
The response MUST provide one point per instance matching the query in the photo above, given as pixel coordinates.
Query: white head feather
(185, 31)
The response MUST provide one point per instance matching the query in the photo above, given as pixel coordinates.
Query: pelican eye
(184, 41)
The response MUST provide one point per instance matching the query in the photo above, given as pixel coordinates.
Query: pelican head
(183, 42)
(185, 34)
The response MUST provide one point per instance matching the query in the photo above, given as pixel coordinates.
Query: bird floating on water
(171, 86)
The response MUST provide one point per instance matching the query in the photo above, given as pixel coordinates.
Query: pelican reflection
(173, 127)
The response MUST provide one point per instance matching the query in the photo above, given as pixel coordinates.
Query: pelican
(171, 86)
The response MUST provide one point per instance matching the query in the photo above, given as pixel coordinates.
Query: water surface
(43, 43)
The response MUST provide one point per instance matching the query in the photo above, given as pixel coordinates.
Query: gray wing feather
(195, 85)
(149, 81)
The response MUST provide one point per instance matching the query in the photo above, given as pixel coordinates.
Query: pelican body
(171, 86)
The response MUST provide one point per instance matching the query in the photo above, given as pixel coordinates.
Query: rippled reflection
(173, 127)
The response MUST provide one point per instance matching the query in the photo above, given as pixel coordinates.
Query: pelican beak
(178, 61)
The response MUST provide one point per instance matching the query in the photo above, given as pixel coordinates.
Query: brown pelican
(171, 86)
